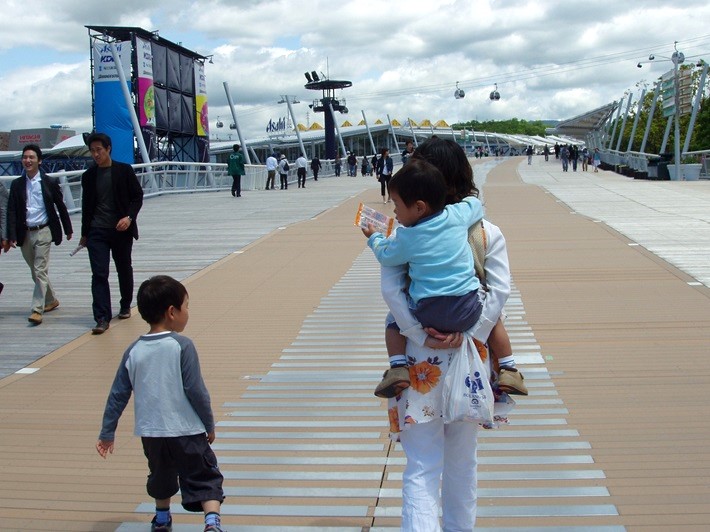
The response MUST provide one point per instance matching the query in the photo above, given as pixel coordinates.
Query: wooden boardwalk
(286, 314)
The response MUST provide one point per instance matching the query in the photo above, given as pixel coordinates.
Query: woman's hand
(438, 340)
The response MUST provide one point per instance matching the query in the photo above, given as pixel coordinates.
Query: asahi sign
(278, 127)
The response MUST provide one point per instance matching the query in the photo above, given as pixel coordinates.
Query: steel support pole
(337, 128)
(656, 93)
(613, 131)
(623, 122)
(369, 133)
(636, 120)
(696, 106)
(295, 126)
(129, 102)
(396, 144)
(236, 123)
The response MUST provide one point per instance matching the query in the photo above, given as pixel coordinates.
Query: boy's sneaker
(510, 380)
(155, 527)
(213, 528)
(394, 381)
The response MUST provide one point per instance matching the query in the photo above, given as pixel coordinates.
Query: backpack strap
(478, 242)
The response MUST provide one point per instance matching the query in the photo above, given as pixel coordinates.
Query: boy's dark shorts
(185, 462)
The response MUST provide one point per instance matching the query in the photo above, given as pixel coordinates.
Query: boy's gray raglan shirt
(170, 396)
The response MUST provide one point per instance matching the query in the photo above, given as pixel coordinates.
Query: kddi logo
(278, 127)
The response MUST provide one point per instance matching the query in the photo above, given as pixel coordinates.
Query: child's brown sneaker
(393, 382)
(510, 380)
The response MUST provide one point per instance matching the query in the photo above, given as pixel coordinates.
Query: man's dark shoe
(124, 314)
(101, 327)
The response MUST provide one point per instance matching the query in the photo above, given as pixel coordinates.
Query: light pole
(288, 100)
(677, 58)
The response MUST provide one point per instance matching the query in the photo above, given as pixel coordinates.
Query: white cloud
(550, 59)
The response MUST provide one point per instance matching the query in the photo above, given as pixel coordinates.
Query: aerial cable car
(459, 93)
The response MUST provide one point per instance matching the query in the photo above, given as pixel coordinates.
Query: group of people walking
(278, 163)
(173, 415)
(36, 217)
(440, 477)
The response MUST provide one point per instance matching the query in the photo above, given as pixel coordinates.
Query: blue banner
(111, 114)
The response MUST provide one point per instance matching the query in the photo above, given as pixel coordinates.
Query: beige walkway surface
(612, 338)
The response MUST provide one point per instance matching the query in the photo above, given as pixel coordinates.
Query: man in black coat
(4, 196)
(36, 214)
(111, 198)
(315, 167)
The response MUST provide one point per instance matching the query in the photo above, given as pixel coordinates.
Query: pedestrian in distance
(585, 159)
(315, 167)
(235, 168)
(283, 172)
(407, 152)
(596, 159)
(271, 166)
(301, 165)
(384, 172)
(352, 164)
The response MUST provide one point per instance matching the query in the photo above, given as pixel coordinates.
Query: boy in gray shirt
(173, 415)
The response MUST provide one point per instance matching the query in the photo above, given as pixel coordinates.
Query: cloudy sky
(550, 60)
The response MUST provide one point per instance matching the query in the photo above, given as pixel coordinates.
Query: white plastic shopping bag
(467, 393)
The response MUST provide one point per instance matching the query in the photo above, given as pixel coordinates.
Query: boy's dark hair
(103, 138)
(452, 162)
(34, 148)
(419, 180)
(158, 294)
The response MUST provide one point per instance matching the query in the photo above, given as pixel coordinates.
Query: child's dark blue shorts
(187, 462)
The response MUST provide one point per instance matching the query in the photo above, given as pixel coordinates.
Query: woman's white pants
(445, 455)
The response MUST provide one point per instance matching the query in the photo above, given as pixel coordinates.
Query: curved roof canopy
(580, 126)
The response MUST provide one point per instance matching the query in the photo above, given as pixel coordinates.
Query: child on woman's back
(433, 242)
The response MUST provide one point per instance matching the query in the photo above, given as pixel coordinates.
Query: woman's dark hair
(452, 162)
(158, 294)
(419, 180)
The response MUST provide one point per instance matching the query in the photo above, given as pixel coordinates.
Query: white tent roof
(71, 147)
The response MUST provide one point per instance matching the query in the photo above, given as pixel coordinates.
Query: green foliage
(514, 126)
(701, 132)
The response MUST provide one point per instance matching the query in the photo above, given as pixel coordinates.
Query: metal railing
(640, 161)
(171, 177)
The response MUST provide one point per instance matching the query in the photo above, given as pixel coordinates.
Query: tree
(701, 133)
(514, 126)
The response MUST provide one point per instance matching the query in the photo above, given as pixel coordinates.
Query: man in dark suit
(4, 196)
(110, 200)
(33, 224)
